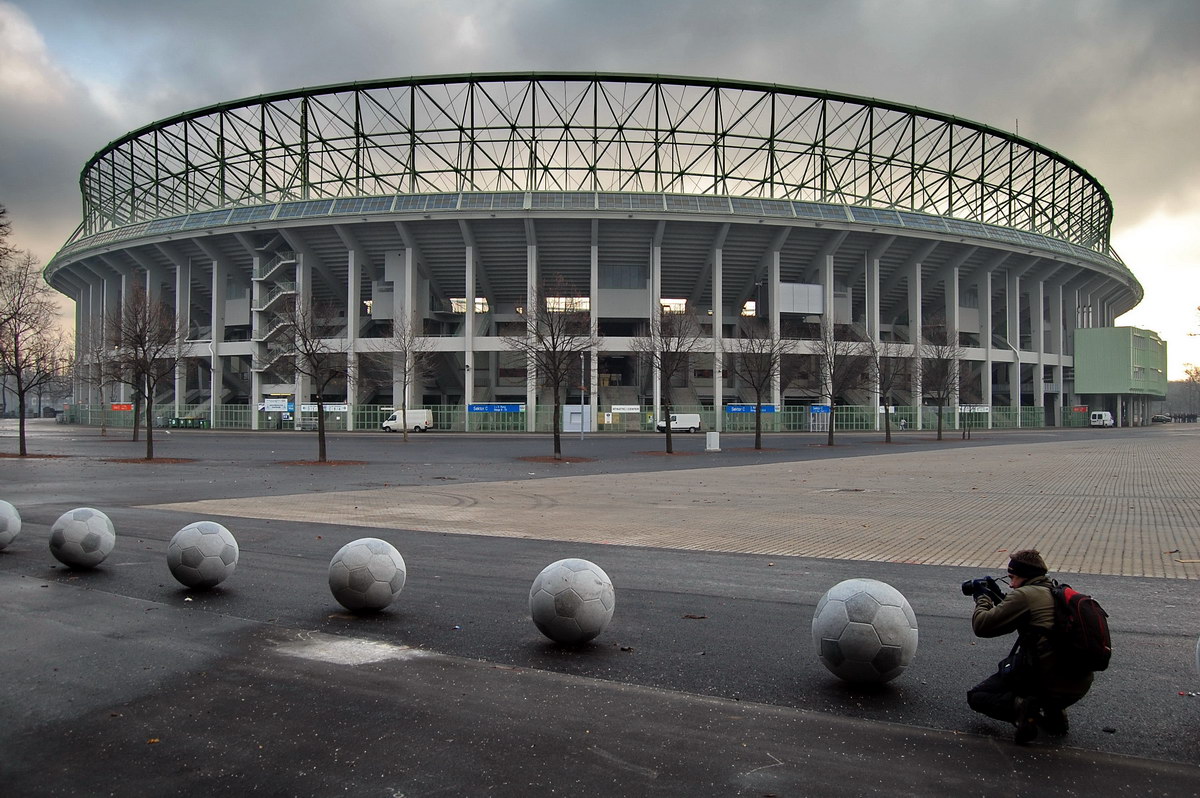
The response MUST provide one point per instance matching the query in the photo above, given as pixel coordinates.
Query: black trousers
(992, 698)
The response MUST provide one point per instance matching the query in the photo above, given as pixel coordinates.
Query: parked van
(1101, 418)
(418, 420)
(681, 422)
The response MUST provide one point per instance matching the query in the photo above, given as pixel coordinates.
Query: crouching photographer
(1032, 688)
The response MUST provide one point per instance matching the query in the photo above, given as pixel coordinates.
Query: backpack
(1080, 629)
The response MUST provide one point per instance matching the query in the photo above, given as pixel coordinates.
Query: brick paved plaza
(1117, 505)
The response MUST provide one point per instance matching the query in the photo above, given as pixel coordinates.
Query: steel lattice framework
(590, 132)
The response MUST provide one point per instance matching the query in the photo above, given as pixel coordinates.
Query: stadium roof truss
(573, 132)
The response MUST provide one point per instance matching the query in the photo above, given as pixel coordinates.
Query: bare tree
(413, 362)
(672, 339)
(757, 361)
(93, 366)
(941, 354)
(149, 346)
(890, 362)
(32, 349)
(557, 335)
(844, 362)
(1192, 385)
(302, 345)
(5, 231)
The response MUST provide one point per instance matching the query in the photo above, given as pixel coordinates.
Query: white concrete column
(351, 387)
(216, 373)
(304, 306)
(532, 295)
(469, 329)
(1037, 317)
(256, 329)
(594, 328)
(773, 331)
(353, 320)
(183, 314)
(985, 338)
(655, 315)
(1012, 299)
(718, 320)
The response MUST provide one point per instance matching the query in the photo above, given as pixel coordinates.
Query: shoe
(1054, 722)
(1026, 720)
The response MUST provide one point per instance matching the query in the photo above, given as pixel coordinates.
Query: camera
(984, 585)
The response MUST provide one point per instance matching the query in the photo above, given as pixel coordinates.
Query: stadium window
(750, 308)
(459, 304)
(568, 304)
(673, 305)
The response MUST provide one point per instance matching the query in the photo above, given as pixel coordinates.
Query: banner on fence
(506, 408)
(122, 406)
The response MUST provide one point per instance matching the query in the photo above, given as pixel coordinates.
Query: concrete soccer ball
(10, 523)
(366, 574)
(82, 538)
(864, 631)
(572, 601)
(202, 554)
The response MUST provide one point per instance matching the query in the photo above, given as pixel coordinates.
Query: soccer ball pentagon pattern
(10, 523)
(82, 538)
(572, 601)
(202, 554)
(864, 631)
(366, 574)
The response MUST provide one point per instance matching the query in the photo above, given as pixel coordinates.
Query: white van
(1101, 418)
(418, 420)
(681, 422)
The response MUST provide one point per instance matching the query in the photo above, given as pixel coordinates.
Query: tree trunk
(829, 435)
(103, 413)
(758, 423)
(887, 424)
(149, 430)
(404, 419)
(557, 425)
(21, 421)
(137, 416)
(320, 429)
(939, 412)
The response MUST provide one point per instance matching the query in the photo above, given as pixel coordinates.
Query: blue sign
(748, 408)
(818, 409)
(516, 408)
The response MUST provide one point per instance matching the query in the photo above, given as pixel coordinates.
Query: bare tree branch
(33, 351)
(672, 339)
(844, 362)
(557, 334)
(757, 361)
(299, 342)
(941, 354)
(148, 345)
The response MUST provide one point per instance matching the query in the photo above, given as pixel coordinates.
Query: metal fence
(369, 418)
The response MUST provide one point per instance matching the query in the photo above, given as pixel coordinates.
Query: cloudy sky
(1113, 85)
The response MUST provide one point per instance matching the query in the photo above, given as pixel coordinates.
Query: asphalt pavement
(120, 681)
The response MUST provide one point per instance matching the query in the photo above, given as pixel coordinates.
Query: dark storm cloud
(1107, 84)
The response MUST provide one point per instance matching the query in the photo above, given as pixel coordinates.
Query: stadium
(452, 204)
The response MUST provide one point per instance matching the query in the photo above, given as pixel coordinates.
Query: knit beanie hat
(1027, 563)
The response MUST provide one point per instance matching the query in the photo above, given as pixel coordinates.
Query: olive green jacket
(1029, 611)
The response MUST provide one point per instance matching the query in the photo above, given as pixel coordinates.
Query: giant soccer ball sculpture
(572, 601)
(82, 538)
(10, 523)
(865, 631)
(203, 554)
(366, 574)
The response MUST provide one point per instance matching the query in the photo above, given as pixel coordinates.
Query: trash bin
(173, 421)
(202, 423)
